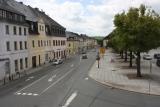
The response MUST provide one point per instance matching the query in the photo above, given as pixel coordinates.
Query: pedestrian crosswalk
(26, 94)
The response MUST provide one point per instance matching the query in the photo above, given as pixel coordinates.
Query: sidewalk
(118, 75)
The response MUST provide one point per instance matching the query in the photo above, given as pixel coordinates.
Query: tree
(137, 31)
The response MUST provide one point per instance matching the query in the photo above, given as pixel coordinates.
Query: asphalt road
(68, 85)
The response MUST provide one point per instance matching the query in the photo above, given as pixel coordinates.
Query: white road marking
(31, 77)
(80, 58)
(35, 94)
(56, 81)
(23, 93)
(70, 99)
(18, 93)
(86, 78)
(31, 84)
(72, 65)
(27, 79)
(29, 94)
(51, 79)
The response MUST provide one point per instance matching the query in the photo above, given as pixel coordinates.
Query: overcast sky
(91, 17)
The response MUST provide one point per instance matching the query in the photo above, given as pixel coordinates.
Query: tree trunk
(125, 56)
(130, 62)
(122, 55)
(139, 65)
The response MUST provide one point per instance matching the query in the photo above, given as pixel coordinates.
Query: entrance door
(34, 61)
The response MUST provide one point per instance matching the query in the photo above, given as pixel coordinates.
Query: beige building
(72, 43)
(46, 40)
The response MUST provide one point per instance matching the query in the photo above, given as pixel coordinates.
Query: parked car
(147, 57)
(57, 61)
(157, 56)
(158, 62)
(84, 56)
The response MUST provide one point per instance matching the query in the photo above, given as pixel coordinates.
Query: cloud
(90, 17)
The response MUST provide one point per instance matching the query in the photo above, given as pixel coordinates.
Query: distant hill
(99, 40)
(98, 37)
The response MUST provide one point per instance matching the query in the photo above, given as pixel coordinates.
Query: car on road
(84, 56)
(57, 61)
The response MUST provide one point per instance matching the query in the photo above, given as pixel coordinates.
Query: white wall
(12, 54)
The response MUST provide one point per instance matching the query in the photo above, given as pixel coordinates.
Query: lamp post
(98, 58)
(149, 58)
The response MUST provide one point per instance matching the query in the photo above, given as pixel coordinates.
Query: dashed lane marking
(51, 79)
(86, 78)
(70, 99)
(31, 77)
(31, 84)
(28, 79)
(72, 65)
(26, 94)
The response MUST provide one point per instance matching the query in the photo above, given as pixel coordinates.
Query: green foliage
(137, 30)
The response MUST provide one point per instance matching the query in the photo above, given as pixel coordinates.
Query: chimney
(21, 2)
(36, 9)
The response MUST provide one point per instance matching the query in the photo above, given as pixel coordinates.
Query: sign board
(102, 50)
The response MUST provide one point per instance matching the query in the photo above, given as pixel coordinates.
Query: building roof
(33, 14)
(4, 5)
(47, 20)
(19, 6)
(71, 34)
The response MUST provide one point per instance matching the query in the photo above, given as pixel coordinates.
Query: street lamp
(98, 58)
(149, 58)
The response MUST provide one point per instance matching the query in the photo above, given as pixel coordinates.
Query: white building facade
(13, 43)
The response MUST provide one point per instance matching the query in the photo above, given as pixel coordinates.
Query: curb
(120, 88)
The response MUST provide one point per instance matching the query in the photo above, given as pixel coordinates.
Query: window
(26, 62)
(69, 45)
(39, 44)
(3, 13)
(7, 29)
(25, 44)
(21, 47)
(16, 65)
(46, 57)
(56, 42)
(21, 64)
(14, 30)
(15, 46)
(8, 45)
(53, 42)
(20, 31)
(33, 45)
(25, 32)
